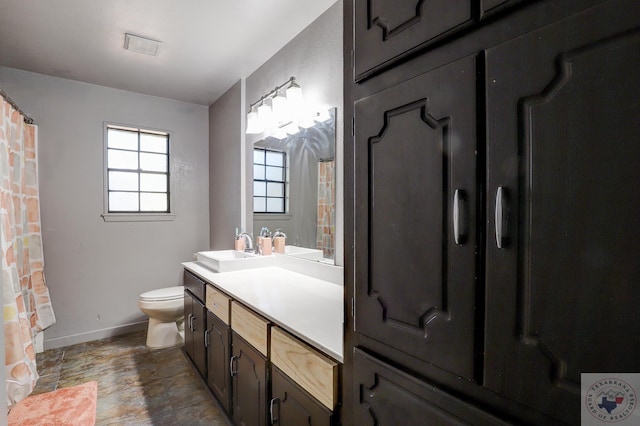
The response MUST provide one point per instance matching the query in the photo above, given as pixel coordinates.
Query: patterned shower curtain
(26, 304)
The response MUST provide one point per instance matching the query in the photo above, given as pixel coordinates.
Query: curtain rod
(6, 97)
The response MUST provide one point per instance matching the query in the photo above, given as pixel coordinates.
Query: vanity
(267, 335)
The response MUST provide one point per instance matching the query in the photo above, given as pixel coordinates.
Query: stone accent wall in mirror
(309, 192)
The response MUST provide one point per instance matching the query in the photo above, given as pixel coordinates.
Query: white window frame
(134, 217)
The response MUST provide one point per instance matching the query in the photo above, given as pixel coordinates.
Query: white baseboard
(89, 336)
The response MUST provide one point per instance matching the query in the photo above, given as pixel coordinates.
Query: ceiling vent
(143, 45)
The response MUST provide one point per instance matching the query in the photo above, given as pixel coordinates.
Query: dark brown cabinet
(218, 344)
(389, 396)
(195, 325)
(291, 405)
(249, 377)
(415, 166)
(563, 131)
(389, 30)
(491, 209)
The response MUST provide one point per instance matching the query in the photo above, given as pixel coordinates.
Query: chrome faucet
(248, 242)
(279, 233)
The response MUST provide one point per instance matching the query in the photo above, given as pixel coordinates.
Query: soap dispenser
(279, 241)
(265, 242)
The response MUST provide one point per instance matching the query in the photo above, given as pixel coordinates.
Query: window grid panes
(269, 181)
(137, 171)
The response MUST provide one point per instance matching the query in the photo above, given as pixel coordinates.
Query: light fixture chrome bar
(272, 93)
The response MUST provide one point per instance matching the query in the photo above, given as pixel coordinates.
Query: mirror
(305, 200)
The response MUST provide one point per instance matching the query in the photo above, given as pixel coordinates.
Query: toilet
(165, 308)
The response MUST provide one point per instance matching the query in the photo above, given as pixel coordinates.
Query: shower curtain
(26, 304)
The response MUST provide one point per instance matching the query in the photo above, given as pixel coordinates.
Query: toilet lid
(168, 293)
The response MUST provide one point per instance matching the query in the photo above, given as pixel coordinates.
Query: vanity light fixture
(275, 109)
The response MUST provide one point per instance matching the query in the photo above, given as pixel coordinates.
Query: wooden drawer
(310, 369)
(218, 303)
(194, 284)
(252, 327)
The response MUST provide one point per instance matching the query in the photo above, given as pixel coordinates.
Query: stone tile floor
(136, 385)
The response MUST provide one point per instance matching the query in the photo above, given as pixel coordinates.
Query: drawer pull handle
(459, 217)
(231, 370)
(190, 322)
(502, 217)
(206, 338)
(273, 402)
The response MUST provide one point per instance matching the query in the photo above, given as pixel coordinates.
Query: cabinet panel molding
(415, 149)
(386, 395)
(571, 123)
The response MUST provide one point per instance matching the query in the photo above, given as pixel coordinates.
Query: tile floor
(136, 385)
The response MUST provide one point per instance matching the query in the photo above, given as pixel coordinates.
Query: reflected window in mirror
(269, 181)
(310, 204)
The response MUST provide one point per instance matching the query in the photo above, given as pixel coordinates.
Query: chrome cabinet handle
(459, 217)
(501, 217)
(271, 404)
(231, 371)
(206, 338)
(190, 322)
(193, 322)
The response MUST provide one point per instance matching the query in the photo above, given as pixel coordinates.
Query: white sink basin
(232, 260)
(303, 253)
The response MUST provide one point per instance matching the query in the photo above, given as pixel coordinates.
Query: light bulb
(280, 109)
(295, 100)
(254, 126)
(265, 114)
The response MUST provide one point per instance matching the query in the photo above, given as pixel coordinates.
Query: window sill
(138, 217)
(272, 216)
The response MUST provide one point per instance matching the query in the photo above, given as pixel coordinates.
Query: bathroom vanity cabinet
(260, 373)
(490, 143)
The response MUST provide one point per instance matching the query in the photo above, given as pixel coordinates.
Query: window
(269, 181)
(137, 171)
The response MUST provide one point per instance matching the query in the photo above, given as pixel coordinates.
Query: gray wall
(225, 171)
(314, 58)
(96, 270)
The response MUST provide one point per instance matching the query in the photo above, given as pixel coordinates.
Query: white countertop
(307, 307)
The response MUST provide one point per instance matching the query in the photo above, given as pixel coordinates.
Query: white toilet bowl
(165, 308)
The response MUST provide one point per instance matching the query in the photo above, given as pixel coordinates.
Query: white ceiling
(208, 45)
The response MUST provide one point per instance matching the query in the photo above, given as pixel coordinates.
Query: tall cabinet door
(195, 317)
(416, 216)
(218, 356)
(249, 381)
(563, 135)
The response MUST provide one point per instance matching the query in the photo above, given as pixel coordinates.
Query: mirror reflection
(294, 187)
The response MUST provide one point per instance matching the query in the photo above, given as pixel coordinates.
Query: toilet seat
(163, 294)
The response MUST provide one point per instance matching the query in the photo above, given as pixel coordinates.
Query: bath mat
(74, 406)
